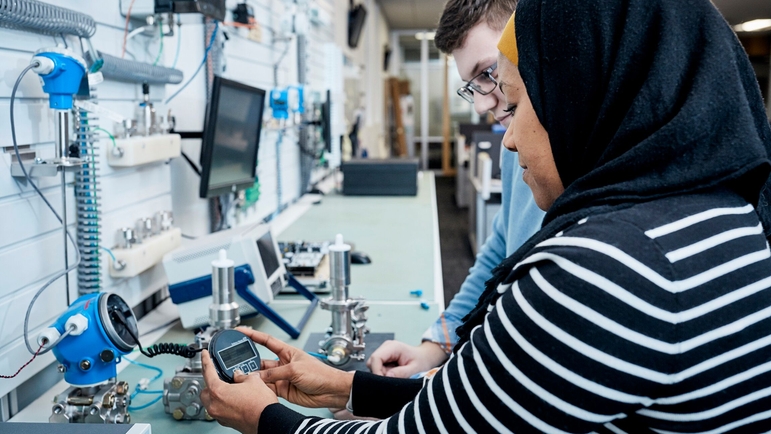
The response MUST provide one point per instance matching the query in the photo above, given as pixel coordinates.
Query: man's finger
(375, 364)
(210, 376)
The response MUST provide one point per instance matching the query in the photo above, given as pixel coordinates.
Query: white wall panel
(31, 238)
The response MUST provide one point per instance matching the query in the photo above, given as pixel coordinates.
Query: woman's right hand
(299, 377)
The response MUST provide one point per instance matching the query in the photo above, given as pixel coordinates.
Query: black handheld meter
(231, 350)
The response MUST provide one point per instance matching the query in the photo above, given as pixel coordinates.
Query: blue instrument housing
(91, 357)
(64, 81)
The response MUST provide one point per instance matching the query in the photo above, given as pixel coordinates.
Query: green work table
(400, 234)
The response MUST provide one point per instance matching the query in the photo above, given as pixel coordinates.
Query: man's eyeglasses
(483, 84)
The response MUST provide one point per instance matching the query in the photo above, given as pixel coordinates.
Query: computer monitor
(231, 137)
(326, 122)
(356, 17)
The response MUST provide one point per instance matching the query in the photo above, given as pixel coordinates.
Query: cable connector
(78, 323)
(47, 337)
(143, 384)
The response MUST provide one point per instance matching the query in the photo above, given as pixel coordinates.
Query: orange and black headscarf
(642, 99)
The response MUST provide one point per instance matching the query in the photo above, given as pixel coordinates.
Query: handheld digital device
(231, 350)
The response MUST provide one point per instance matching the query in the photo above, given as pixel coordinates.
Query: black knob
(107, 356)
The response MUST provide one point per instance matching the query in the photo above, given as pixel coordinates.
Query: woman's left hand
(239, 405)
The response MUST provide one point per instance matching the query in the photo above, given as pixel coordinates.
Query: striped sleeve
(617, 325)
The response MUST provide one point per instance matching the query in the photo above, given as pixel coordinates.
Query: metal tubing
(340, 278)
(223, 312)
(62, 134)
(64, 230)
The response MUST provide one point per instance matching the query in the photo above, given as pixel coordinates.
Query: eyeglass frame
(471, 87)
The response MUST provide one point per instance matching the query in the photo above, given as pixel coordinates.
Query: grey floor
(457, 257)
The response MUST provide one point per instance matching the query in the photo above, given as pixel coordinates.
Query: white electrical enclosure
(135, 151)
(140, 257)
(252, 245)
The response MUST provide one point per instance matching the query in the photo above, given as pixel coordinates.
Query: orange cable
(125, 31)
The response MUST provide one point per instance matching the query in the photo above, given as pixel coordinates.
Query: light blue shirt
(518, 219)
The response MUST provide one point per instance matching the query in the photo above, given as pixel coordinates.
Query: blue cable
(205, 56)
(278, 171)
(144, 406)
(137, 390)
(111, 255)
(320, 356)
(179, 44)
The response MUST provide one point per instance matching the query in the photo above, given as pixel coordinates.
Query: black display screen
(237, 354)
(268, 254)
(231, 137)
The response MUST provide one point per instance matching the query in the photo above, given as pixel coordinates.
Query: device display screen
(237, 354)
(268, 254)
(236, 135)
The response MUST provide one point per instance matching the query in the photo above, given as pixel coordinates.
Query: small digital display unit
(231, 137)
(231, 350)
(235, 355)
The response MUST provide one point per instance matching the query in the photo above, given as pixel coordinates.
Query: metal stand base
(104, 403)
(182, 393)
(374, 341)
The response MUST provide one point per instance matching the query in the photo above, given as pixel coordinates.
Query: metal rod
(64, 226)
(62, 134)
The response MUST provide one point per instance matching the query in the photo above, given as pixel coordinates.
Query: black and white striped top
(656, 318)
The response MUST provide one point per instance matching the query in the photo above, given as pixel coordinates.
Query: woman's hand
(299, 377)
(239, 405)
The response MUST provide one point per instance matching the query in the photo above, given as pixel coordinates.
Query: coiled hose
(35, 16)
(89, 202)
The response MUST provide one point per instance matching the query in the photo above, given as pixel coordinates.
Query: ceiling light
(754, 26)
(428, 35)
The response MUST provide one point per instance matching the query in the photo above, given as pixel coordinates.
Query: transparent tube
(39, 17)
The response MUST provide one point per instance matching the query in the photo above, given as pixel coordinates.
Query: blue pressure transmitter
(279, 101)
(98, 334)
(61, 71)
(231, 350)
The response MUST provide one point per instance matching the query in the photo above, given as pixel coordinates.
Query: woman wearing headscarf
(644, 302)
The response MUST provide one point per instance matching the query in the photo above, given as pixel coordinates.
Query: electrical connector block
(140, 257)
(135, 151)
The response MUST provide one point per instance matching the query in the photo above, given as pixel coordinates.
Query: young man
(469, 30)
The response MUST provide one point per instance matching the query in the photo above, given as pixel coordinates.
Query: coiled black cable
(181, 350)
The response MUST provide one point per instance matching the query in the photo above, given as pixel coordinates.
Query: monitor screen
(268, 254)
(356, 17)
(231, 137)
(326, 122)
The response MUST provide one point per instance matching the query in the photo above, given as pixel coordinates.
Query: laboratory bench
(401, 236)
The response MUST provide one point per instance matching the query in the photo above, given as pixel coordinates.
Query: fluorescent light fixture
(428, 35)
(754, 26)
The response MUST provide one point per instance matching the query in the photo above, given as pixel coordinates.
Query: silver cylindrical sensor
(340, 268)
(62, 134)
(223, 312)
